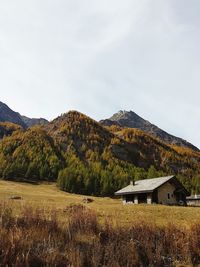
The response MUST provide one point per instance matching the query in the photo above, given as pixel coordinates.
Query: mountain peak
(129, 119)
(72, 117)
(122, 113)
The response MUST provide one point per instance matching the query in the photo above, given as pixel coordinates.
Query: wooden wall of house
(163, 192)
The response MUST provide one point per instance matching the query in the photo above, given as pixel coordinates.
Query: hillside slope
(30, 155)
(130, 119)
(154, 152)
(8, 128)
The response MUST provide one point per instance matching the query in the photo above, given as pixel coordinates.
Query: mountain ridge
(8, 115)
(126, 119)
(130, 119)
(33, 121)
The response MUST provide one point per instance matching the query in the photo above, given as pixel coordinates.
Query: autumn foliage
(87, 158)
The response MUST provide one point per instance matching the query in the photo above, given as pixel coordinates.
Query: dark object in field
(15, 197)
(28, 181)
(87, 200)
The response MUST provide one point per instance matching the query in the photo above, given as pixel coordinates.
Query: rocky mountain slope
(130, 119)
(33, 121)
(8, 115)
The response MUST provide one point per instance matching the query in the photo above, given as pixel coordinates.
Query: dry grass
(52, 228)
(48, 196)
(38, 238)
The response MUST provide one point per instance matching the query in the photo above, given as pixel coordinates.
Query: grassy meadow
(48, 227)
(48, 196)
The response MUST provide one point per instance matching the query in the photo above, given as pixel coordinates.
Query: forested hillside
(87, 158)
(97, 161)
(29, 155)
(8, 128)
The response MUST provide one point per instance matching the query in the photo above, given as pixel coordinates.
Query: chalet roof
(143, 186)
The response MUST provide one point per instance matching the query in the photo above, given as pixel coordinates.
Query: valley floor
(48, 196)
(48, 227)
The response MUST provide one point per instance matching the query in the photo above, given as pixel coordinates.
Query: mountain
(127, 119)
(33, 121)
(130, 119)
(8, 115)
(100, 159)
(87, 139)
(85, 157)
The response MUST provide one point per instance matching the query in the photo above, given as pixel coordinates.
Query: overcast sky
(100, 56)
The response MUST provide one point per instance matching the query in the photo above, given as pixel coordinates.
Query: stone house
(163, 190)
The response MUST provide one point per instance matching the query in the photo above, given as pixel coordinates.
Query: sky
(100, 56)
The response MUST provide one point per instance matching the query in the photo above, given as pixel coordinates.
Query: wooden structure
(163, 190)
(193, 200)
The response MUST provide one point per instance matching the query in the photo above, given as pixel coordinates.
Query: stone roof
(143, 186)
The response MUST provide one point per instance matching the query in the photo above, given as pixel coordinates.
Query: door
(142, 198)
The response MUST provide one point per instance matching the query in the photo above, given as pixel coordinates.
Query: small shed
(163, 190)
(193, 200)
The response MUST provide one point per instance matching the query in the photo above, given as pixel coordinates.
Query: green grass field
(48, 196)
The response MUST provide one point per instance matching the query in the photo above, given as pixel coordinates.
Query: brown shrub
(82, 219)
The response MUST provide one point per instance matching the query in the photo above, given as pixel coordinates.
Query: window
(168, 195)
